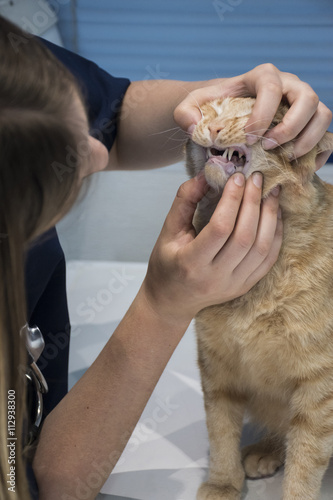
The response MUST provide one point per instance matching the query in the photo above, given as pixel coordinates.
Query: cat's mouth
(235, 158)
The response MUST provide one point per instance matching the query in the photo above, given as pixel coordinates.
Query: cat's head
(218, 146)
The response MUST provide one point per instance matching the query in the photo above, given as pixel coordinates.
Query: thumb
(187, 114)
(182, 210)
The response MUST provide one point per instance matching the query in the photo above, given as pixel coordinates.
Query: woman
(58, 126)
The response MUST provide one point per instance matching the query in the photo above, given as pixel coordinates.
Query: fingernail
(257, 179)
(191, 128)
(269, 143)
(275, 191)
(279, 214)
(251, 139)
(238, 179)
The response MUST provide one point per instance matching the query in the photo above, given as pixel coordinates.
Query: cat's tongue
(227, 165)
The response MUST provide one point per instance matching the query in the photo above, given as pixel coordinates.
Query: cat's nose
(214, 130)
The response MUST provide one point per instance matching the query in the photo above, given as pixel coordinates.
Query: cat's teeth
(241, 154)
(230, 153)
(225, 154)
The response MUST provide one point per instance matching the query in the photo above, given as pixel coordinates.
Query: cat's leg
(264, 458)
(309, 448)
(224, 422)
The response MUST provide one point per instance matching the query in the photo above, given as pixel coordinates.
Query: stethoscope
(35, 344)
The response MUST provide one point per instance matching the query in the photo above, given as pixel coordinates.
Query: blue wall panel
(200, 39)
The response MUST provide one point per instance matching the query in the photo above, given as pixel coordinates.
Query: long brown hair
(37, 128)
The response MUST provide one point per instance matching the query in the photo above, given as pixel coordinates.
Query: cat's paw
(208, 491)
(259, 463)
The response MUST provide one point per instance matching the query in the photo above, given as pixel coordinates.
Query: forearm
(91, 425)
(147, 135)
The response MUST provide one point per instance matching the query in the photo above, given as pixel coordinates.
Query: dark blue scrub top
(45, 271)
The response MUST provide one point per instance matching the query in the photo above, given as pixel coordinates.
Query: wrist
(165, 310)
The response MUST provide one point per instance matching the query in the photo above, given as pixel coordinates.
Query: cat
(269, 352)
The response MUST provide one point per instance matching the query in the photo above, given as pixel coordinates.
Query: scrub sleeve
(45, 268)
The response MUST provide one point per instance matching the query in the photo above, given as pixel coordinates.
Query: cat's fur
(270, 352)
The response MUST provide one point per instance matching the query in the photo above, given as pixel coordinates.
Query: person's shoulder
(80, 65)
(67, 57)
(102, 92)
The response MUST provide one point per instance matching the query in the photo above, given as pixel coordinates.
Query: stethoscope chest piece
(35, 344)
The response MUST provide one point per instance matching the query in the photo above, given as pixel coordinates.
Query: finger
(303, 107)
(322, 158)
(182, 210)
(271, 258)
(264, 237)
(264, 109)
(215, 234)
(264, 82)
(244, 234)
(313, 132)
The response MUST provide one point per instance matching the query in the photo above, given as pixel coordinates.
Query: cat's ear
(325, 149)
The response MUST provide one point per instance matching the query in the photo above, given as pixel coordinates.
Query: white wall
(121, 215)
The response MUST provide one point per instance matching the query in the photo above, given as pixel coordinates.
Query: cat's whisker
(165, 131)
(178, 146)
(174, 139)
(175, 134)
(262, 136)
(264, 155)
(172, 136)
(259, 120)
(273, 140)
(278, 145)
(262, 152)
(270, 139)
(256, 130)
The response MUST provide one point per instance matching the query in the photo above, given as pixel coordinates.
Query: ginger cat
(269, 352)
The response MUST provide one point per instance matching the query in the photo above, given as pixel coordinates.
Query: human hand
(306, 121)
(239, 245)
